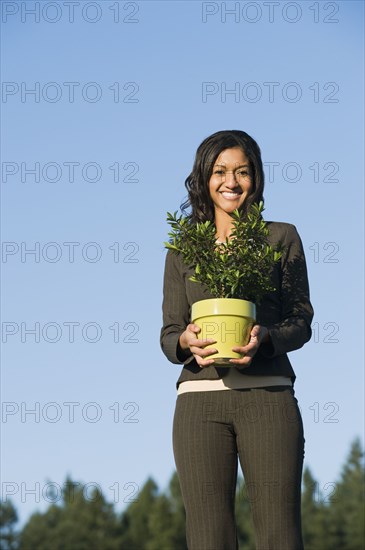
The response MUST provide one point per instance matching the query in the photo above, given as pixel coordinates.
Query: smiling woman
(248, 411)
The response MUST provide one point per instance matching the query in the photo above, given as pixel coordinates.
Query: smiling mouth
(231, 195)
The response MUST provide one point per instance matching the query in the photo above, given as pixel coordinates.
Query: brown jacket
(287, 312)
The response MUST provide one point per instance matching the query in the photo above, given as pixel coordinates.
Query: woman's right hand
(189, 340)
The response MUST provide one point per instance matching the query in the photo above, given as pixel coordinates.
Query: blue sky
(123, 94)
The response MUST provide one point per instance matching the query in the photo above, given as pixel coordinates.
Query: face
(230, 182)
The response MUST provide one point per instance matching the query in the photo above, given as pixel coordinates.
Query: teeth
(230, 194)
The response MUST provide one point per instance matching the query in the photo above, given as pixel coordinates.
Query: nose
(230, 180)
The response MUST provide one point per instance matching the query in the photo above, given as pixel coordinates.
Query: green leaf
(239, 267)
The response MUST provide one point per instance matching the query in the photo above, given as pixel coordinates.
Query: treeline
(332, 515)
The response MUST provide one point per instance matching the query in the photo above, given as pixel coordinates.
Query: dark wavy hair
(197, 183)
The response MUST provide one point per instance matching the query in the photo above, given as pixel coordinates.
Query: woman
(247, 412)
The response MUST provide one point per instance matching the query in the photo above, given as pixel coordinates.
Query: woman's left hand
(258, 334)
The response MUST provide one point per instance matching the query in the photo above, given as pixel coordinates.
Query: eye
(219, 172)
(243, 173)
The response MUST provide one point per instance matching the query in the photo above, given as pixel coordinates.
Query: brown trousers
(263, 428)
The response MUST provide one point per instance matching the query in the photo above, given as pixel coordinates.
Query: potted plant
(237, 273)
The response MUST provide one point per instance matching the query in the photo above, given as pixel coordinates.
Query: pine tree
(347, 510)
(245, 530)
(8, 519)
(135, 519)
(160, 525)
(178, 510)
(80, 522)
(314, 514)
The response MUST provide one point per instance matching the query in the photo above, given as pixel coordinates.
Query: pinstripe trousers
(263, 429)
